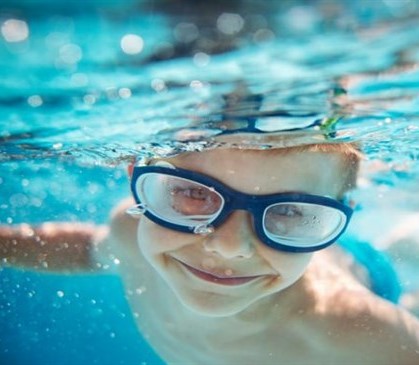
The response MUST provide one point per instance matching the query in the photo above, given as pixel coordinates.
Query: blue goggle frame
(235, 200)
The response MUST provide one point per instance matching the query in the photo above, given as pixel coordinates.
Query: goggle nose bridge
(241, 201)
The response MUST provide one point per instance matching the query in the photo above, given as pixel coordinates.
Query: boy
(220, 267)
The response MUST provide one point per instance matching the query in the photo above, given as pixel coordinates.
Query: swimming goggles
(187, 201)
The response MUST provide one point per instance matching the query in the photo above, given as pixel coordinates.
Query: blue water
(55, 319)
(59, 319)
(75, 108)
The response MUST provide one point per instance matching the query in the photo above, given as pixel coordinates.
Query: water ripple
(84, 98)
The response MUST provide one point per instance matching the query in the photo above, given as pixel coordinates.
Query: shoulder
(387, 331)
(359, 324)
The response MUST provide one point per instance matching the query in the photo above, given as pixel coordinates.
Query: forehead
(268, 172)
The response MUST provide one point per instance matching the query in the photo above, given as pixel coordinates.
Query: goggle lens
(302, 224)
(178, 200)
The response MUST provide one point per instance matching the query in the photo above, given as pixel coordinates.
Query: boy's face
(223, 273)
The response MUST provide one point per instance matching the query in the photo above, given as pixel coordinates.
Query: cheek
(290, 266)
(154, 239)
(297, 265)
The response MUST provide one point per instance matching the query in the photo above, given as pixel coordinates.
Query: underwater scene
(90, 88)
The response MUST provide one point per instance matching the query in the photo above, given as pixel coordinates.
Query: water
(87, 87)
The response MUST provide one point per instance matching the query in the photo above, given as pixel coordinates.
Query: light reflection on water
(96, 97)
(85, 89)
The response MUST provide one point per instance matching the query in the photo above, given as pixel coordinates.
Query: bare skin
(299, 309)
(402, 244)
(327, 317)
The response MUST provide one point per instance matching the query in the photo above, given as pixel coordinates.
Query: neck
(284, 304)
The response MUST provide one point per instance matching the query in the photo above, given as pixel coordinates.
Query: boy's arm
(56, 247)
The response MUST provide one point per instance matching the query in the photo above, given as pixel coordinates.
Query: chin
(220, 301)
(219, 304)
(209, 306)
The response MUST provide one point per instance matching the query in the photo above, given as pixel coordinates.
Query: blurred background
(85, 86)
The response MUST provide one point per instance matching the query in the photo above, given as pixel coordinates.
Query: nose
(235, 238)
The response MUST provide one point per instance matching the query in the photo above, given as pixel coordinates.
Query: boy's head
(223, 272)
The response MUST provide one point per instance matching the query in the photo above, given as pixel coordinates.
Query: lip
(212, 278)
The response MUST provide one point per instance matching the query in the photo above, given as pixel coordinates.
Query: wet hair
(350, 152)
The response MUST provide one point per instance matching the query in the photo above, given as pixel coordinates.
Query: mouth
(216, 279)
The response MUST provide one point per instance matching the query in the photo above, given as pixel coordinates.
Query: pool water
(53, 319)
(59, 319)
(86, 87)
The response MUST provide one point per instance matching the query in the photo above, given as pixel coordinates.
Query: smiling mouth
(217, 279)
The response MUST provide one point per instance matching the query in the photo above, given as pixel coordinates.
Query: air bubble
(132, 44)
(203, 229)
(70, 53)
(136, 210)
(230, 23)
(140, 290)
(228, 272)
(57, 146)
(186, 32)
(124, 93)
(201, 59)
(158, 85)
(89, 99)
(15, 30)
(196, 85)
(35, 101)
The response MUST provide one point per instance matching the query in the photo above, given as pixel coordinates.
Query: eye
(192, 192)
(193, 199)
(286, 210)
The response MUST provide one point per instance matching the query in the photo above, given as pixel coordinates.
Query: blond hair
(350, 152)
